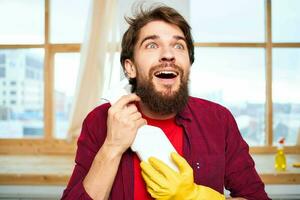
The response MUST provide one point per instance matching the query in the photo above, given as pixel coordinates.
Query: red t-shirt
(175, 135)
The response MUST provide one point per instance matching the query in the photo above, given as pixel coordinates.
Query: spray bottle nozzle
(281, 140)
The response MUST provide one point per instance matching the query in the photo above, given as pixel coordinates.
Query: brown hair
(142, 18)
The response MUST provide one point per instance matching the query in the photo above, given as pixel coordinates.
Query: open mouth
(166, 74)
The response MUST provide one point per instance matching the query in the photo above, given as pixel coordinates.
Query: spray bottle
(280, 160)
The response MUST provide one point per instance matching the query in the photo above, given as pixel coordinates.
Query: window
(64, 87)
(214, 76)
(29, 74)
(2, 72)
(239, 66)
(16, 117)
(286, 20)
(31, 63)
(68, 23)
(229, 21)
(13, 92)
(286, 96)
(234, 43)
(19, 24)
(2, 59)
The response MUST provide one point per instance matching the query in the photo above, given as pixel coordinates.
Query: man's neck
(154, 115)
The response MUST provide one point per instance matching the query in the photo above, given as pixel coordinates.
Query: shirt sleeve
(86, 151)
(241, 178)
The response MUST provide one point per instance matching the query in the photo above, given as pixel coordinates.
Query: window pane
(235, 78)
(68, 20)
(21, 93)
(286, 20)
(66, 73)
(286, 95)
(228, 21)
(22, 21)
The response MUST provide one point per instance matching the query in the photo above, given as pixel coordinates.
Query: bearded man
(157, 53)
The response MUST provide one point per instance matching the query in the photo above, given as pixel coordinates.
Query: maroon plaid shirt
(212, 145)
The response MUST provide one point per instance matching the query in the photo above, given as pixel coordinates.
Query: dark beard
(163, 103)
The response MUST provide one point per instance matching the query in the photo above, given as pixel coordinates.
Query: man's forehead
(159, 29)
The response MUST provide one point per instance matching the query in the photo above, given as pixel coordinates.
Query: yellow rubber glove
(165, 183)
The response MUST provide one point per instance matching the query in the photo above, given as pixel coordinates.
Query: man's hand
(123, 121)
(164, 183)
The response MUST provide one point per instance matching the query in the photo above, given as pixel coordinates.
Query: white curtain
(98, 53)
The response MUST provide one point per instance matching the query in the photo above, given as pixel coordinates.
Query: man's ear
(130, 69)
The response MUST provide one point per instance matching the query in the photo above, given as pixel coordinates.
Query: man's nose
(167, 55)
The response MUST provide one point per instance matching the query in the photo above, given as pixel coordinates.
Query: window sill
(35, 169)
(264, 164)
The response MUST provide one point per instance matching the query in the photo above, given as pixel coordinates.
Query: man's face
(161, 64)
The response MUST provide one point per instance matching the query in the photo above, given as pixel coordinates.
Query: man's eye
(151, 46)
(178, 46)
